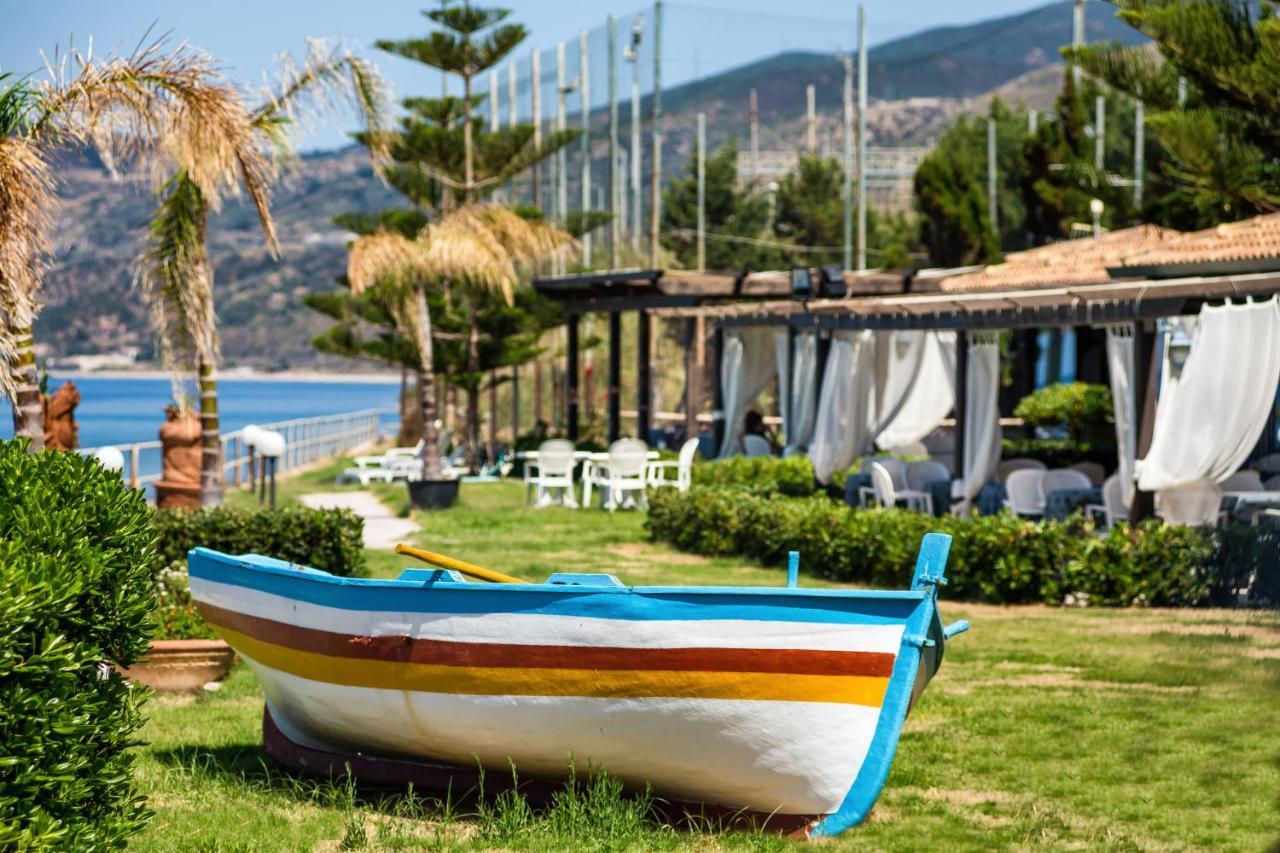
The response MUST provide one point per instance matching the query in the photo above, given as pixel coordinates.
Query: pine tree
(445, 157)
(736, 217)
(1212, 95)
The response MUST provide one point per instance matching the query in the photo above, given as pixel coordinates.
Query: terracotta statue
(179, 484)
(59, 412)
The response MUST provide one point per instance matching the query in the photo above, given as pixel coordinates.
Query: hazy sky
(247, 35)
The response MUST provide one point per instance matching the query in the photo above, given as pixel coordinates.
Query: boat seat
(431, 576)
(585, 579)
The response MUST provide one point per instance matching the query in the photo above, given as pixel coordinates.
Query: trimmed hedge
(1001, 559)
(763, 474)
(328, 539)
(77, 555)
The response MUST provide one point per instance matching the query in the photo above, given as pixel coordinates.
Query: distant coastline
(240, 376)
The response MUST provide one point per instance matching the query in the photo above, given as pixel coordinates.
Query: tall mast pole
(1139, 154)
(655, 180)
(862, 136)
(811, 119)
(494, 118)
(584, 93)
(1099, 132)
(513, 114)
(614, 207)
(702, 191)
(535, 92)
(753, 109)
(992, 211)
(847, 61)
(1077, 39)
(637, 192)
(562, 156)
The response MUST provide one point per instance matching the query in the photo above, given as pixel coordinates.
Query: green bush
(1001, 559)
(77, 556)
(328, 539)
(766, 474)
(1081, 408)
(1061, 452)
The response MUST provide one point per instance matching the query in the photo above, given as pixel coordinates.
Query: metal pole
(512, 113)
(1099, 132)
(613, 398)
(655, 180)
(992, 212)
(847, 61)
(562, 156)
(493, 100)
(614, 206)
(637, 193)
(535, 91)
(702, 191)
(584, 93)
(862, 136)
(1033, 121)
(515, 404)
(811, 118)
(753, 109)
(1077, 39)
(1139, 162)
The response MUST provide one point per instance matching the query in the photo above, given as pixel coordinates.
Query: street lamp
(110, 458)
(1096, 207)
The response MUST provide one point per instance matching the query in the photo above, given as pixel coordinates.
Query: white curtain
(898, 359)
(843, 428)
(981, 414)
(931, 396)
(1209, 417)
(782, 367)
(1120, 365)
(804, 393)
(746, 366)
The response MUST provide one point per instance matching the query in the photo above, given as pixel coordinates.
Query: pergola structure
(1134, 276)
(649, 292)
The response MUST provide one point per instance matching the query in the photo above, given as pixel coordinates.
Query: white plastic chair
(683, 468)
(1024, 495)
(897, 472)
(391, 456)
(888, 494)
(1095, 472)
(1244, 480)
(1062, 478)
(549, 478)
(1112, 508)
(1008, 466)
(922, 472)
(626, 471)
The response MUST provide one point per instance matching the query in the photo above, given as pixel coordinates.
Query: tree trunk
(473, 393)
(28, 421)
(211, 474)
(427, 393)
(468, 168)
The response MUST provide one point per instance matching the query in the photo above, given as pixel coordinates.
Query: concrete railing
(307, 441)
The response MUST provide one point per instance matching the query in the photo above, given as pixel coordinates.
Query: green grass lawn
(1112, 729)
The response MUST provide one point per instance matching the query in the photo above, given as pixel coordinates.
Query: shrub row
(328, 539)
(1000, 559)
(77, 557)
(762, 474)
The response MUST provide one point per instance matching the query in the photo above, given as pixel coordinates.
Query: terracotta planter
(433, 494)
(182, 665)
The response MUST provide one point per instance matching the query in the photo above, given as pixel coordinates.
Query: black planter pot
(433, 494)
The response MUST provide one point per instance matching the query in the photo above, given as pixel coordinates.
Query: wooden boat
(785, 702)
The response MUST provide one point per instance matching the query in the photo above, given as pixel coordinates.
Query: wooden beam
(614, 393)
(644, 378)
(962, 398)
(571, 379)
(717, 386)
(692, 378)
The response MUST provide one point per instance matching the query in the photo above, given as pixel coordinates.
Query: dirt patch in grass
(652, 554)
(1063, 679)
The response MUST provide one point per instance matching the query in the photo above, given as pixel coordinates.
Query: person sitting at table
(756, 437)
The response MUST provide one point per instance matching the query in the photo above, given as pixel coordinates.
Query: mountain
(917, 85)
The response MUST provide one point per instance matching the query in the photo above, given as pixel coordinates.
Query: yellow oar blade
(457, 565)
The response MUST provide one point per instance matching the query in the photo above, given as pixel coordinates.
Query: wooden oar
(457, 565)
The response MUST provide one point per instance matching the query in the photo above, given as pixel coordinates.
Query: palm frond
(175, 278)
(26, 211)
(330, 78)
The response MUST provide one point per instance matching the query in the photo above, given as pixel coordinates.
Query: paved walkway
(381, 528)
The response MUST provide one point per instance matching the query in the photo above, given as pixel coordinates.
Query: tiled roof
(1082, 261)
(1249, 239)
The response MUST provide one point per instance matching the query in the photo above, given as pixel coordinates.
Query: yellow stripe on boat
(513, 681)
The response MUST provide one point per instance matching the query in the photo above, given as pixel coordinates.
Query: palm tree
(120, 106)
(240, 147)
(476, 247)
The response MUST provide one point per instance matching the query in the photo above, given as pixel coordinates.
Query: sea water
(125, 410)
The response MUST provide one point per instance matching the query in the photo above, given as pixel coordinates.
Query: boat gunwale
(298, 572)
